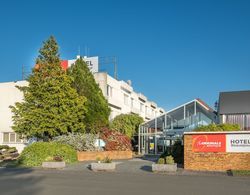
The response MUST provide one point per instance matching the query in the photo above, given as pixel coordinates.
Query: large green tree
(50, 106)
(127, 124)
(98, 111)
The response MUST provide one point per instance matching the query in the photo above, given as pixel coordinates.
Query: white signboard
(92, 63)
(238, 143)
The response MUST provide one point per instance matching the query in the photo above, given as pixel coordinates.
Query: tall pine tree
(51, 106)
(98, 110)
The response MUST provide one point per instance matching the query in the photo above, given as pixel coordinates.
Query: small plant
(170, 160)
(161, 161)
(107, 160)
(49, 159)
(98, 159)
(57, 158)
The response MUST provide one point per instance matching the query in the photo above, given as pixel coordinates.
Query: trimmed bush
(169, 160)
(107, 160)
(220, 127)
(79, 141)
(38, 152)
(115, 140)
(161, 161)
(176, 150)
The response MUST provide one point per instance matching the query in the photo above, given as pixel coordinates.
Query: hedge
(220, 127)
(36, 153)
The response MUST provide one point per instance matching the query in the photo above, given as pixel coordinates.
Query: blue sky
(173, 51)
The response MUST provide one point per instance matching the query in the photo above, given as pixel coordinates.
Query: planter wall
(114, 155)
(103, 166)
(53, 165)
(164, 168)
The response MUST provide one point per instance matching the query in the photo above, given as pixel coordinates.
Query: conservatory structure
(161, 132)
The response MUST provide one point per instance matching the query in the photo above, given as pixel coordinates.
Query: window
(11, 138)
(141, 107)
(109, 91)
(126, 99)
(132, 102)
(6, 137)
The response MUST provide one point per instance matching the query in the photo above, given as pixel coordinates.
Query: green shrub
(169, 160)
(161, 161)
(220, 127)
(79, 141)
(4, 147)
(107, 160)
(36, 153)
(240, 172)
(176, 150)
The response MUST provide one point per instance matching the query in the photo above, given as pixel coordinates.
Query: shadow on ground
(146, 168)
(13, 180)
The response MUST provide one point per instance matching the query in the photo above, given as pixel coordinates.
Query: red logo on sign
(209, 143)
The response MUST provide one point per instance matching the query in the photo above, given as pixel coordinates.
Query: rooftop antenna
(86, 51)
(79, 50)
(79, 53)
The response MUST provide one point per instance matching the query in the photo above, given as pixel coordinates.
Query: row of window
(10, 137)
(126, 102)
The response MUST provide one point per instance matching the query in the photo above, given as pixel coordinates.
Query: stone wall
(114, 155)
(213, 161)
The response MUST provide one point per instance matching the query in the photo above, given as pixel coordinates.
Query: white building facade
(119, 94)
(9, 95)
(122, 99)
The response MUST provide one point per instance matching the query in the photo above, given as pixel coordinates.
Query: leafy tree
(127, 124)
(98, 110)
(51, 106)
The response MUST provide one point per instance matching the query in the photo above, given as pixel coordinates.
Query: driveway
(128, 179)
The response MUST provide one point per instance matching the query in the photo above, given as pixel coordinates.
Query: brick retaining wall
(213, 161)
(115, 155)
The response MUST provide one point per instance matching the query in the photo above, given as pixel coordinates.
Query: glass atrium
(158, 134)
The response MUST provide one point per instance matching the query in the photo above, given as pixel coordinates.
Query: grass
(241, 172)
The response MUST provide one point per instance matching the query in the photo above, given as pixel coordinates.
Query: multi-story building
(123, 99)
(120, 95)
